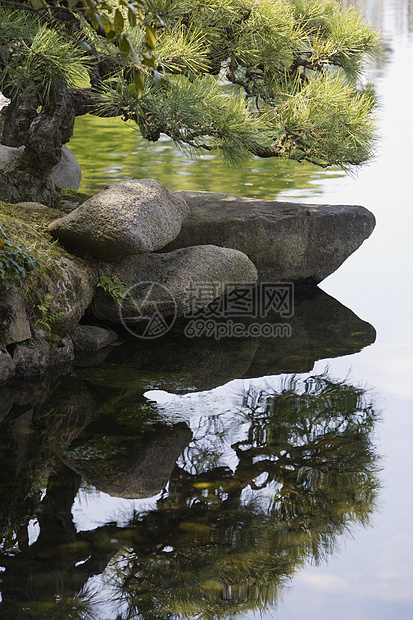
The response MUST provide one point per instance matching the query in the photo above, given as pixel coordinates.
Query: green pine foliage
(272, 78)
(293, 68)
(327, 121)
(35, 56)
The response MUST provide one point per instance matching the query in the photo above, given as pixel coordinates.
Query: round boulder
(173, 283)
(127, 218)
(67, 174)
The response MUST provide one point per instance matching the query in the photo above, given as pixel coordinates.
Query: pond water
(201, 478)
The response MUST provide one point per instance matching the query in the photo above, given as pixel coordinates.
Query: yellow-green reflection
(306, 472)
(221, 540)
(109, 151)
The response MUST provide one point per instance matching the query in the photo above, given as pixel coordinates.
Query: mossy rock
(40, 282)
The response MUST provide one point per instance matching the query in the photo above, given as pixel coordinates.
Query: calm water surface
(221, 479)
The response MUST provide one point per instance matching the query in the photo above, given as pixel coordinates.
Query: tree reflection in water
(222, 540)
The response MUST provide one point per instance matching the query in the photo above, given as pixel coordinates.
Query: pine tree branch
(19, 5)
(266, 151)
(306, 63)
(195, 145)
(230, 75)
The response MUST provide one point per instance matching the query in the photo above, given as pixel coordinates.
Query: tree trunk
(42, 130)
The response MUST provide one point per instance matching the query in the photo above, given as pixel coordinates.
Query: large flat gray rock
(286, 241)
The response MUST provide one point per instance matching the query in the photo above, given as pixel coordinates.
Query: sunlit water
(367, 573)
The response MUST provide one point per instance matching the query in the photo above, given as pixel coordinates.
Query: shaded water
(203, 478)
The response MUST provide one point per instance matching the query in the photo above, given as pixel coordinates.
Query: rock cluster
(118, 231)
(123, 226)
(146, 251)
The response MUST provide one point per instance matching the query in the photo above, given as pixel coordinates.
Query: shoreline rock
(167, 283)
(67, 174)
(216, 242)
(89, 338)
(290, 242)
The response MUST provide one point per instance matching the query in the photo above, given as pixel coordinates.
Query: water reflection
(249, 497)
(221, 540)
(109, 152)
(321, 327)
(243, 497)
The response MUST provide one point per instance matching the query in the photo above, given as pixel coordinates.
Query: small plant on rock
(115, 287)
(15, 261)
(47, 316)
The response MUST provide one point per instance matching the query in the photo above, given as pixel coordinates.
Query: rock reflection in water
(221, 541)
(321, 327)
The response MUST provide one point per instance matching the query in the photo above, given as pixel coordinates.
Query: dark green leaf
(149, 60)
(118, 22)
(150, 37)
(132, 17)
(125, 46)
(139, 83)
(38, 4)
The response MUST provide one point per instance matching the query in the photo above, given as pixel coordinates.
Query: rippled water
(256, 478)
(120, 153)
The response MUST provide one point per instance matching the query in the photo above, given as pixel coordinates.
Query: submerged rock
(92, 338)
(319, 328)
(176, 364)
(285, 241)
(42, 351)
(127, 218)
(130, 465)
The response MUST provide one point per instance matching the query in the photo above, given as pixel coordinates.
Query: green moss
(73, 196)
(26, 229)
